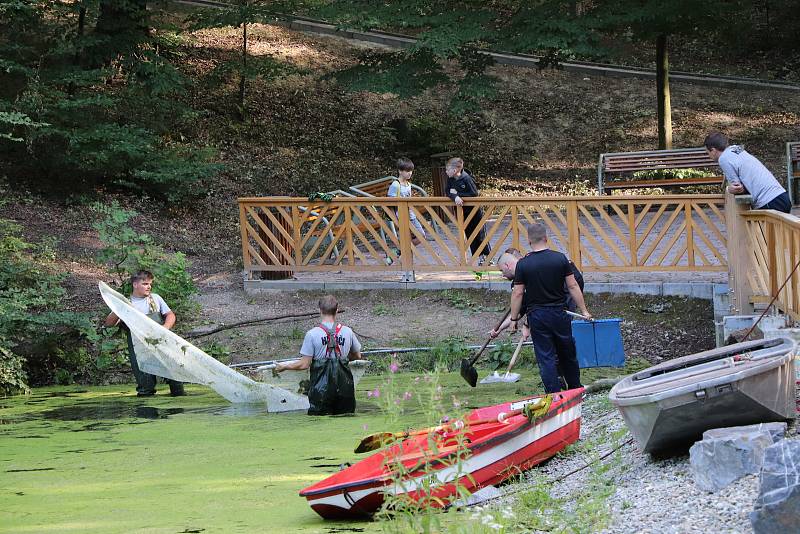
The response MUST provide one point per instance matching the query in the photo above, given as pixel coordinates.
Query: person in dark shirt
(540, 277)
(461, 185)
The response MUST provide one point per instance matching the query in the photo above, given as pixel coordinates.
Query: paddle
(468, 371)
(375, 441)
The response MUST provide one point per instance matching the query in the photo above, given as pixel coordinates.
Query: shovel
(468, 371)
(578, 315)
(512, 377)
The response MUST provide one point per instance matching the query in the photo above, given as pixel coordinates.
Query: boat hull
(513, 448)
(669, 406)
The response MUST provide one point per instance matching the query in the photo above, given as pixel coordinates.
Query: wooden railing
(774, 240)
(631, 233)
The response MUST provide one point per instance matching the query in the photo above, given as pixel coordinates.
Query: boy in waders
(326, 349)
(152, 305)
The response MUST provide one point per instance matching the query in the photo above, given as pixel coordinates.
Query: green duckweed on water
(99, 459)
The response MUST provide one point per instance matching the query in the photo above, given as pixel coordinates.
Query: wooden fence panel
(774, 240)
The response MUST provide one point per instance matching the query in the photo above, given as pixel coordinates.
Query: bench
(792, 168)
(380, 188)
(616, 170)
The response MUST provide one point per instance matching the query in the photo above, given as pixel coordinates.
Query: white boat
(668, 407)
(162, 352)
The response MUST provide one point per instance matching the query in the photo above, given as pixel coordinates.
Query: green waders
(146, 383)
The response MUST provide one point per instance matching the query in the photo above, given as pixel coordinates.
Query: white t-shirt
(151, 304)
(396, 189)
(315, 344)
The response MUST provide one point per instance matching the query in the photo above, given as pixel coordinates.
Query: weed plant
(419, 489)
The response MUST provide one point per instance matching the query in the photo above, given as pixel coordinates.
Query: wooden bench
(380, 188)
(616, 170)
(792, 168)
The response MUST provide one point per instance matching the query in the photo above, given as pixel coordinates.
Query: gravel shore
(636, 493)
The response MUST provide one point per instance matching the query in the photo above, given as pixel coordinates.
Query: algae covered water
(99, 459)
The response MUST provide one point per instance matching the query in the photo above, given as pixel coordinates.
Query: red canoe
(497, 451)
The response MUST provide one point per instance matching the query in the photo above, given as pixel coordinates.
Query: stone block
(727, 455)
(777, 431)
(777, 509)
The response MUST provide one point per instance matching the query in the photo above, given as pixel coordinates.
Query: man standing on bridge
(745, 174)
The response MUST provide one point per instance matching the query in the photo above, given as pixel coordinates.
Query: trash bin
(599, 343)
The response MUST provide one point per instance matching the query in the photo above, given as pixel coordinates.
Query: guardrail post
(739, 252)
(248, 268)
(573, 234)
(406, 252)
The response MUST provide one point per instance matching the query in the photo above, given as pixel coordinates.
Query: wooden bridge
(667, 235)
(617, 234)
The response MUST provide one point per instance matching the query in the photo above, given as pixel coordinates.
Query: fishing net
(163, 353)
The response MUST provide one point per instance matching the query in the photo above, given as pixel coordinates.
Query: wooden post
(772, 259)
(632, 241)
(573, 234)
(461, 235)
(404, 220)
(689, 234)
(739, 251)
(245, 240)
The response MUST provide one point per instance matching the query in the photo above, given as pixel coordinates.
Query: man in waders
(326, 349)
(152, 305)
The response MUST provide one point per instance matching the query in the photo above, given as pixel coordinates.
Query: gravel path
(642, 495)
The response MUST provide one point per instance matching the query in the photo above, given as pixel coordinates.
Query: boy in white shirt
(152, 305)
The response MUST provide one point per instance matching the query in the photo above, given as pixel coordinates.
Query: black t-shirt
(543, 273)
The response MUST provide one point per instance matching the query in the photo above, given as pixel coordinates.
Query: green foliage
(103, 108)
(218, 351)
(16, 119)
(500, 355)
(404, 73)
(447, 354)
(673, 173)
(32, 319)
(127, 251)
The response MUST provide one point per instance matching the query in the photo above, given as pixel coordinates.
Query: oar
(379, 439)
(468, 371)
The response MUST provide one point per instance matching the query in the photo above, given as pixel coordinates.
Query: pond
(99, 459)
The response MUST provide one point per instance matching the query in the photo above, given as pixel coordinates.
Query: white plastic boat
(668, 407)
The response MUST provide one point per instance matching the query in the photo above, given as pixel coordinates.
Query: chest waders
(146, 383)
(331, 390)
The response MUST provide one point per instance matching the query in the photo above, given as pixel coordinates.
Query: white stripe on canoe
(470, 465)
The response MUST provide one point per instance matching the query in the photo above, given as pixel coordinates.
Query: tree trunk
(243, 78)
(662, 94)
